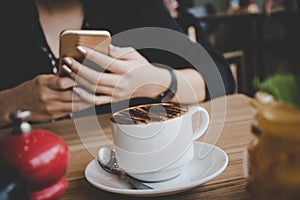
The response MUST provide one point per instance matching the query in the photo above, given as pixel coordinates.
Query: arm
(161, 18)
(46, 96)
(191, 86)
(131, 76)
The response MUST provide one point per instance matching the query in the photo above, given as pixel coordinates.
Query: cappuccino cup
(154, 142)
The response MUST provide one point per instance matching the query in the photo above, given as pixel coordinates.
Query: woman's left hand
(131, 76)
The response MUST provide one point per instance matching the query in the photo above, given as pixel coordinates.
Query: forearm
(190, 85)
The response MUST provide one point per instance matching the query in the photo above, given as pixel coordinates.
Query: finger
(94, 89)
(64, 96)
(105, 90)
(92, 76)
(102, 60)
(90, 98)
(126, 53)
(56, 109)
(61, 109)
(67, 69)
(123, 53)
(48, 96)
(100, 86)
(77, 106)
(79, 80)
(99, 89)
(59, 83)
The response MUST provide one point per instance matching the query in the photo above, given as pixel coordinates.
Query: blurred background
(257, 37)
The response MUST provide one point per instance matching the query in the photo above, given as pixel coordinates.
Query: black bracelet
(171, 91)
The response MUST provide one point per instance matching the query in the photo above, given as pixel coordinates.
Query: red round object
(52, 192)
(40, 156)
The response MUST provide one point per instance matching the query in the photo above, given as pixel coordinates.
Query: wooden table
(233, 139)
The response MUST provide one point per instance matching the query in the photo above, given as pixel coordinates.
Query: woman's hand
(131, 76)
(46, 96)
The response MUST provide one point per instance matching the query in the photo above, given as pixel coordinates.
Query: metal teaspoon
(108, 161)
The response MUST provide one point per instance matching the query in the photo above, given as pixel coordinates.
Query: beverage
(273, 160)
(148, 113)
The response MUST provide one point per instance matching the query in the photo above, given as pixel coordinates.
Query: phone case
(98, 40)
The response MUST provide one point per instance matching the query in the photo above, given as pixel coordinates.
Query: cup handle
(204, 120)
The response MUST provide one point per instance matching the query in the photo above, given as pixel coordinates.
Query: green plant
(283, 87)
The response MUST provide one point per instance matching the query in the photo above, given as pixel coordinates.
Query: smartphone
(98, 40)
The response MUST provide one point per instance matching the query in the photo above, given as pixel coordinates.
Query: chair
(202, 31)
(237, 64)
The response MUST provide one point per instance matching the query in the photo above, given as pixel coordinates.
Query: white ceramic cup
(158, 151)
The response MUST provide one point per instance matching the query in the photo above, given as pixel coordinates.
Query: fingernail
(68, 60)
(67, 69)
(81, 49)
(76, 90)
(66, 83)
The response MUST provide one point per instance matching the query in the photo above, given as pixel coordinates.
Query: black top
(25, 53)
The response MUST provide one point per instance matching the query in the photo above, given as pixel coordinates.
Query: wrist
(171, 90)
(156, 84)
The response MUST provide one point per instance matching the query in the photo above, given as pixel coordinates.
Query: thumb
(60, 83)
(122, 52)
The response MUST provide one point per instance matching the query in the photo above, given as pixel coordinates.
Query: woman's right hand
(47, 97)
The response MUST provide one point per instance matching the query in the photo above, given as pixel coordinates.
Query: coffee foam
(145, 114)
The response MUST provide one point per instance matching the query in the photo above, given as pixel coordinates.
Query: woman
(30, 43)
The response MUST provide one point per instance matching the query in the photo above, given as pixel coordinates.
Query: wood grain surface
(229, 129)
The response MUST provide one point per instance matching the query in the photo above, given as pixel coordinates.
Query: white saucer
(209, 161)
